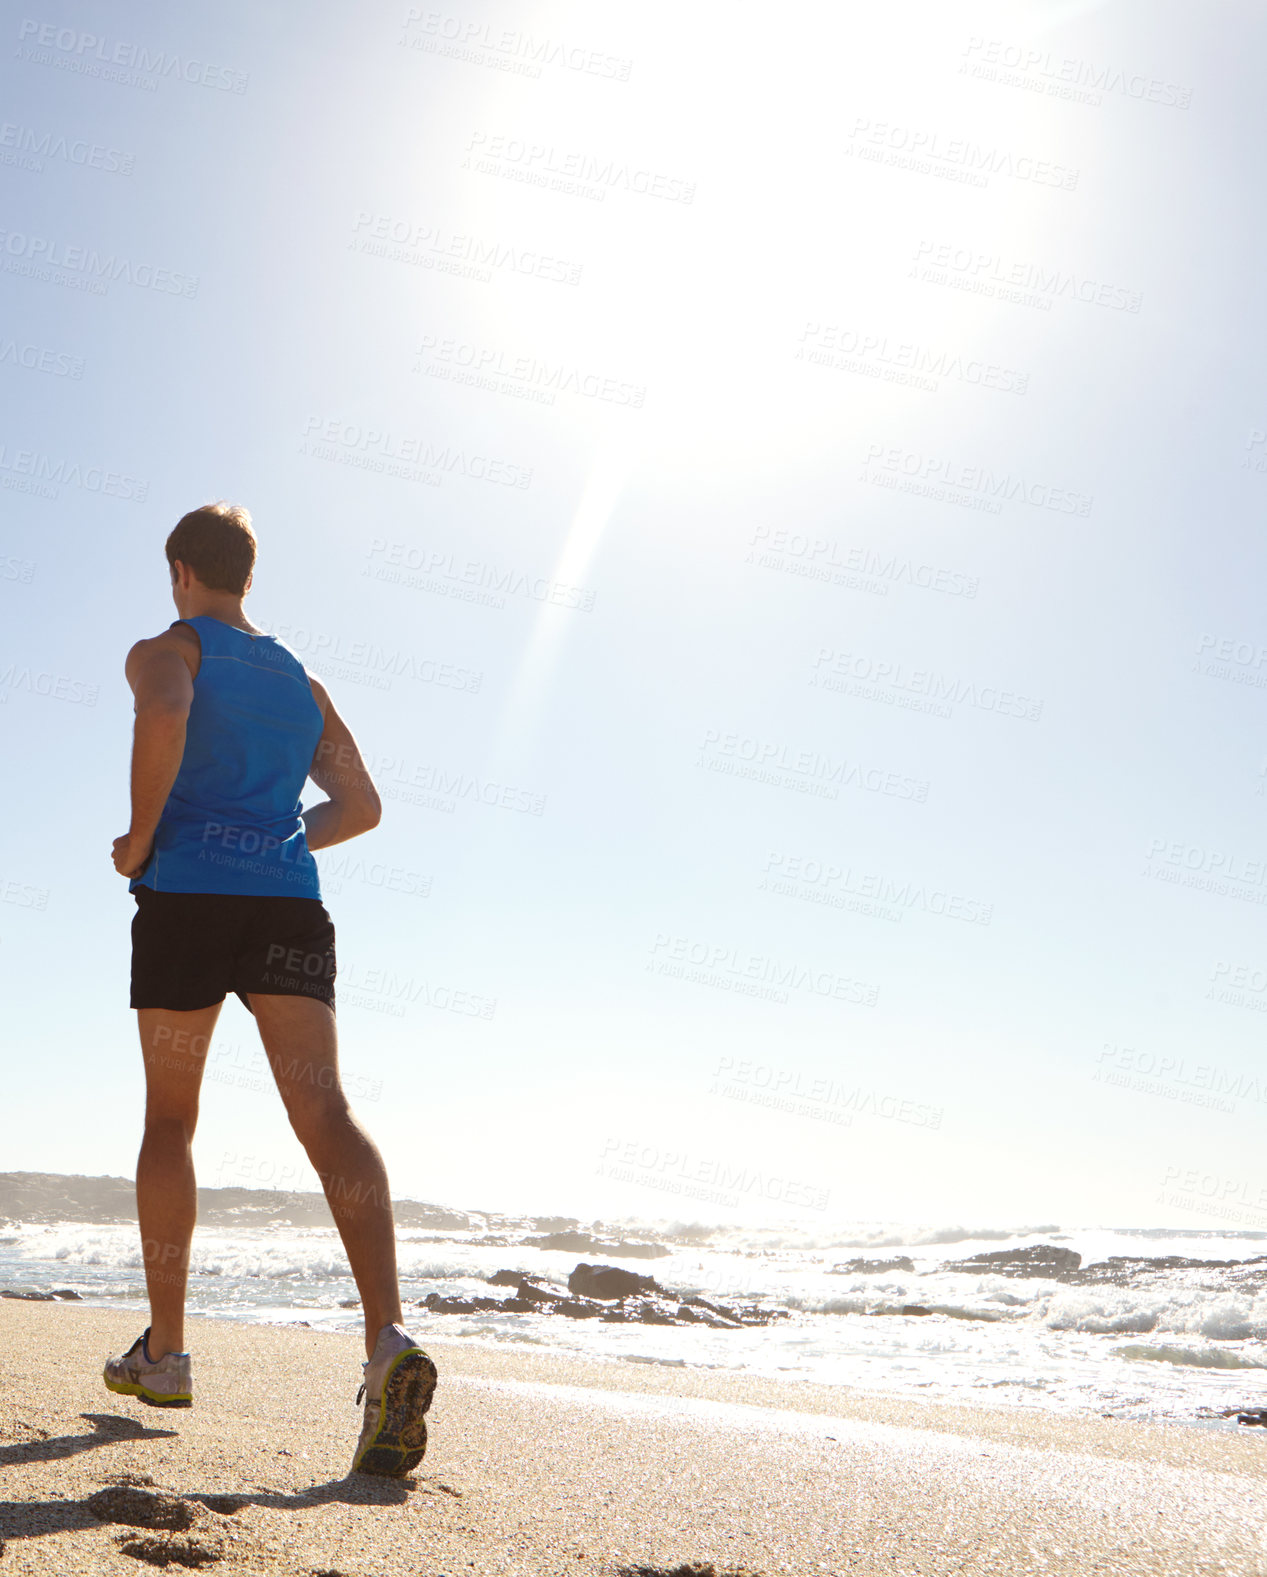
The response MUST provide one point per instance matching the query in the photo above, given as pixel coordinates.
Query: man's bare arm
(353, 806)
(164, 690)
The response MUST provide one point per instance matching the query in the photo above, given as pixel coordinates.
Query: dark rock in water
(1040, 1259)
(624, 1250)
(583, 1243)
(1121, 1270)
(696, 1302)
(699, 1311)
(580, 1308)
(872, 1267)
(915, 1308)
(1242, 1414)
(686, 1315)
(530, 1290)
(439, 1305)
(638, 1308)
(1178, 1262)
(555, 1223)
(609, 1282)
(29, 1297)
(68, 1293)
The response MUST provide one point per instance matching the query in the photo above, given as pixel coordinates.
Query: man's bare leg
(301, 1044)
(174, 1046)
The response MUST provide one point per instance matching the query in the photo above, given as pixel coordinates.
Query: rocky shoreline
(1048, 1262)
(604, 1292)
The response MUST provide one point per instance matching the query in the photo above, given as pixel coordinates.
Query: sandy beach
(543, 1465)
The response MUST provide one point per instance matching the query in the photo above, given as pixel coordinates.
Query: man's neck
(226, 608)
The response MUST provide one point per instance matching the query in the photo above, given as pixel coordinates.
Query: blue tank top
(231, 823)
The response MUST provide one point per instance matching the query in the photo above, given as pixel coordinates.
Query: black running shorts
(190, 949)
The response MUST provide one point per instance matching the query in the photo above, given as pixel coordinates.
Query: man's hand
(131, 854)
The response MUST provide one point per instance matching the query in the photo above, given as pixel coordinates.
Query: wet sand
(539, 1464)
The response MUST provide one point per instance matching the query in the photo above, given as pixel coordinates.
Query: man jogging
(229, 727)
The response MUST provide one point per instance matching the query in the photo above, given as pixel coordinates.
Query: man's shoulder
(181, 639)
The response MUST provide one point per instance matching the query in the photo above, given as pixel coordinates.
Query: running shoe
(400, 1381)
(167, 1383)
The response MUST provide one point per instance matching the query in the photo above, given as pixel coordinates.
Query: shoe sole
(401, 1440)
(151, 1398)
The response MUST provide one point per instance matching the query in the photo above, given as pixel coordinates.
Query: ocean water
(1147, 1336)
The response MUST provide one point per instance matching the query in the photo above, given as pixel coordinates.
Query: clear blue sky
(861, 414)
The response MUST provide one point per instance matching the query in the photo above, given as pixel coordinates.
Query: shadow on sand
(24, 1519)
(107, 1429)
